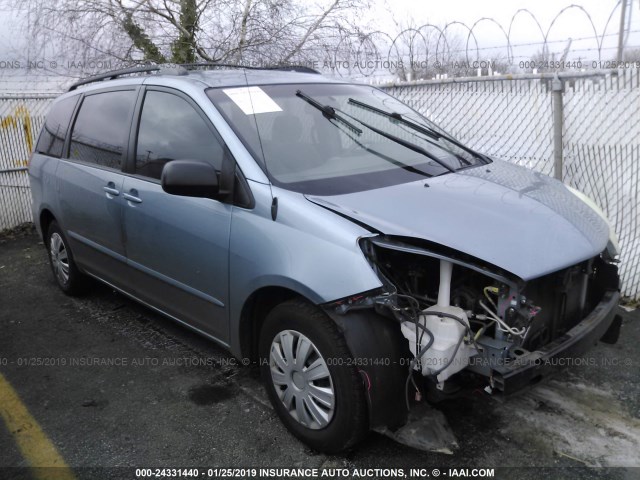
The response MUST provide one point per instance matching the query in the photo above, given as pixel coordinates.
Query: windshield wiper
(418, 128)
(331, 114)
(328, 111)
(404, 143)
(381, 155)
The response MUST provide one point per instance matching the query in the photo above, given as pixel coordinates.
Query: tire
(329, 425)
(65, 271)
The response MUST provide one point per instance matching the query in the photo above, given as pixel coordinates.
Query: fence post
(556, 90)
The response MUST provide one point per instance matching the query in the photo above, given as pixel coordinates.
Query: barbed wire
(434, 44)
(424, 50)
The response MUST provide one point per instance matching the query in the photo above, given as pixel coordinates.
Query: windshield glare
(302, 148)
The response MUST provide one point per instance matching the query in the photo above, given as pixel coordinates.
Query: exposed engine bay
(458, 313)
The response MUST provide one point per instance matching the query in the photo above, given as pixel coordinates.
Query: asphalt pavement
(115, 386)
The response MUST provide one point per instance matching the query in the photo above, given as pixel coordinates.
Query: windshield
(327, 139)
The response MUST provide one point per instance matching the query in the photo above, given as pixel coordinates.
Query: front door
(177, 247)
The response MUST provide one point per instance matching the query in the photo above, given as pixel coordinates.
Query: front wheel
(311, 382)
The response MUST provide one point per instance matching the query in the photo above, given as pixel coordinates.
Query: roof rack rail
(285, 68)
(181, 69)
(113, 74)
(295, 68)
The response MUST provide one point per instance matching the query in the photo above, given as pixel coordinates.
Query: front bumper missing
(533, 366)
(426, 429)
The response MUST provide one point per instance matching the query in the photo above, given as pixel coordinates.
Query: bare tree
(632, 55)
(86, 32)
(544, 61)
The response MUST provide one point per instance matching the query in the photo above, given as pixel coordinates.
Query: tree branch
(314, 26)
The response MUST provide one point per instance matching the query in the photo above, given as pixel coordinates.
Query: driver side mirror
(190, 178)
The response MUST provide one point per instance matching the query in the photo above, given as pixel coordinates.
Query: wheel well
(254, 311)
(46, 217)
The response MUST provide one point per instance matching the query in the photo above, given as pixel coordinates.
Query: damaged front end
(458, 322)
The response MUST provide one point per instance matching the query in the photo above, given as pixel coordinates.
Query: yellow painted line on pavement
(35, 446)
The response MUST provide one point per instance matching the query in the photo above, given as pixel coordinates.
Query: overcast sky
(388, 14)
(573, 23)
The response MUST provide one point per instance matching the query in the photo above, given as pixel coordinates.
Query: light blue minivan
(356, 252)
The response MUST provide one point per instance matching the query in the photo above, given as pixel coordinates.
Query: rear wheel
(65, 271)
(313, 386)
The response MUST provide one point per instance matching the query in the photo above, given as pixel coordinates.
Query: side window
(102, 127)
(55, 128)
(171, 129)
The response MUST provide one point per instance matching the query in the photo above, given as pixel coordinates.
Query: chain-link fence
(585, 125)
(583, 128)
(21, 118)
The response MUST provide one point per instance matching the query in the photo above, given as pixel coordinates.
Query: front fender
(378, 349)
(306, 249)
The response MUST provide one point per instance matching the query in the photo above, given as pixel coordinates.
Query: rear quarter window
(54, 132)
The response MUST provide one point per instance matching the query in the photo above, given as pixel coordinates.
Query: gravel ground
(156, 409)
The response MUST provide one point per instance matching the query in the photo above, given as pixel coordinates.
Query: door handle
(111, 189)
(132, 198)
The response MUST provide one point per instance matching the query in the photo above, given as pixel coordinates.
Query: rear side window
(171, 129)
(55, 128)
(101, 128)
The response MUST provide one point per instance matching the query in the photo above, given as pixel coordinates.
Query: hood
(519, 220)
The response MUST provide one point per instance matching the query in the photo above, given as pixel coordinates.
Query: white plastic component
(444, 290)
(446, 332)
(446, 335)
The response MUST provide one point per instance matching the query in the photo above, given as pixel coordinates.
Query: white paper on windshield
(252, 100)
